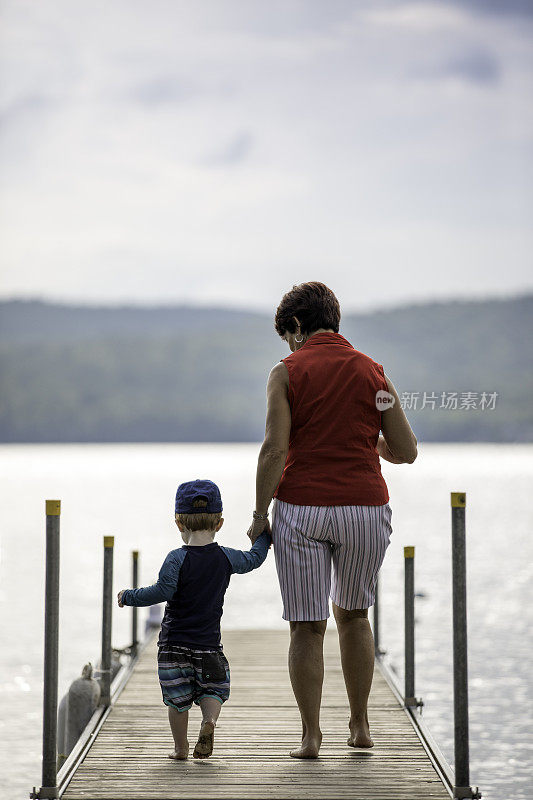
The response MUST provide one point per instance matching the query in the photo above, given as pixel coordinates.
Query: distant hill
(184, 373)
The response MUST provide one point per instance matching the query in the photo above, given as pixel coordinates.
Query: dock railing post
(409, 625)
(107, 606)
(51, 641)
(134, 610)
(409, 629)
(462, 788)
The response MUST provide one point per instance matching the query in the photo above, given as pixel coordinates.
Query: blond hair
(199, 521)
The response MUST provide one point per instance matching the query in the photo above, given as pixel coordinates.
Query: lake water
(128, 491)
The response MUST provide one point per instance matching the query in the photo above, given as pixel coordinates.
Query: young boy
(191, 665)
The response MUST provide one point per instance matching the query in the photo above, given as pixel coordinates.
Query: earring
(300, 339)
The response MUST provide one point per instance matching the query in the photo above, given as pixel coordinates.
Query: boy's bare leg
(179, 721)
(357, 659)
(210, 711)
(306, 670)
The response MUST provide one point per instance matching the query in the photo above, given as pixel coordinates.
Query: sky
(217, 152)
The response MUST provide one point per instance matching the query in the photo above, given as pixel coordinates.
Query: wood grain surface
(258, 726)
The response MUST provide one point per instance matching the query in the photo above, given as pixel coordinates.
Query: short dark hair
(198, 521)
(313, 303)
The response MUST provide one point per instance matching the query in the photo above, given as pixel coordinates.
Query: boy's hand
(119, 598)
(258, 527)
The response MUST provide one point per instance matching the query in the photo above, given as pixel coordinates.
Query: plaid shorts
(187, 675)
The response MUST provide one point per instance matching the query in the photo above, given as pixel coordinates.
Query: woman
(331, 521)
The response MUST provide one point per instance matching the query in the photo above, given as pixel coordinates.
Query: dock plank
(257, 728)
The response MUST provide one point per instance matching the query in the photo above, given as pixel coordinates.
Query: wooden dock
(257, 728)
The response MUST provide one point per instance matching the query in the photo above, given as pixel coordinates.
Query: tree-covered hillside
(198, 374)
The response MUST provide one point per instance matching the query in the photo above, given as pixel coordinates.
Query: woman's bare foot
(310, 747)
(180, 753)
(204, 745)
(360, 733)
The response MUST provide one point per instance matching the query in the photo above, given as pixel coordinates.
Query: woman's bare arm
(398, 440)
(273, 453)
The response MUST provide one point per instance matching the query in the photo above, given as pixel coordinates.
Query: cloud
(421, 16)
(502, 7)
(162, 90)
(275, 18)
(478, 67)
(154, 143)
(31, 103)
(473, 66)
(235, 151)
(442, 14)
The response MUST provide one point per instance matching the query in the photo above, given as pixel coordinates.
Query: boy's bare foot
(360, 733)
(180, 754)
(204, 745)
(310, 747)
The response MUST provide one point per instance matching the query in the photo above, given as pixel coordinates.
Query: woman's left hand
(258, 527)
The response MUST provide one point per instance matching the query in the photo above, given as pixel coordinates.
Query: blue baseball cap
(198, 490)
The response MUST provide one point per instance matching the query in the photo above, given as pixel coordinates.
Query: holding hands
(258, 527)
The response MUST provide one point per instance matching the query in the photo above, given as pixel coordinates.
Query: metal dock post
(409, 629)
(51, 641)
(134, 610)
(107, 606)
(462, 788)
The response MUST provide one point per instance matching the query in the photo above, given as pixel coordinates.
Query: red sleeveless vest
(335, 424)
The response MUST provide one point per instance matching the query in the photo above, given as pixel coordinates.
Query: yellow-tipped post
(458, 499)
(462, 786)
(135, 585)
(51, 642)
(107, 610)
(409, 626)
(53, 508)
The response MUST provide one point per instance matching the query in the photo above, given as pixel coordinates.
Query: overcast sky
(219, 151)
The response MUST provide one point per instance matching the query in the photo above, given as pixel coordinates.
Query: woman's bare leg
(357, 658)
(306, 670)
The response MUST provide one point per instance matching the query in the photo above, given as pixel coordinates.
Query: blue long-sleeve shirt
(193, 580)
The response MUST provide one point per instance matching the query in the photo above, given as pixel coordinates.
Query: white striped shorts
(310, 540)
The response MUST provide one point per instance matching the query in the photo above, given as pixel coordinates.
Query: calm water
(128, 491)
